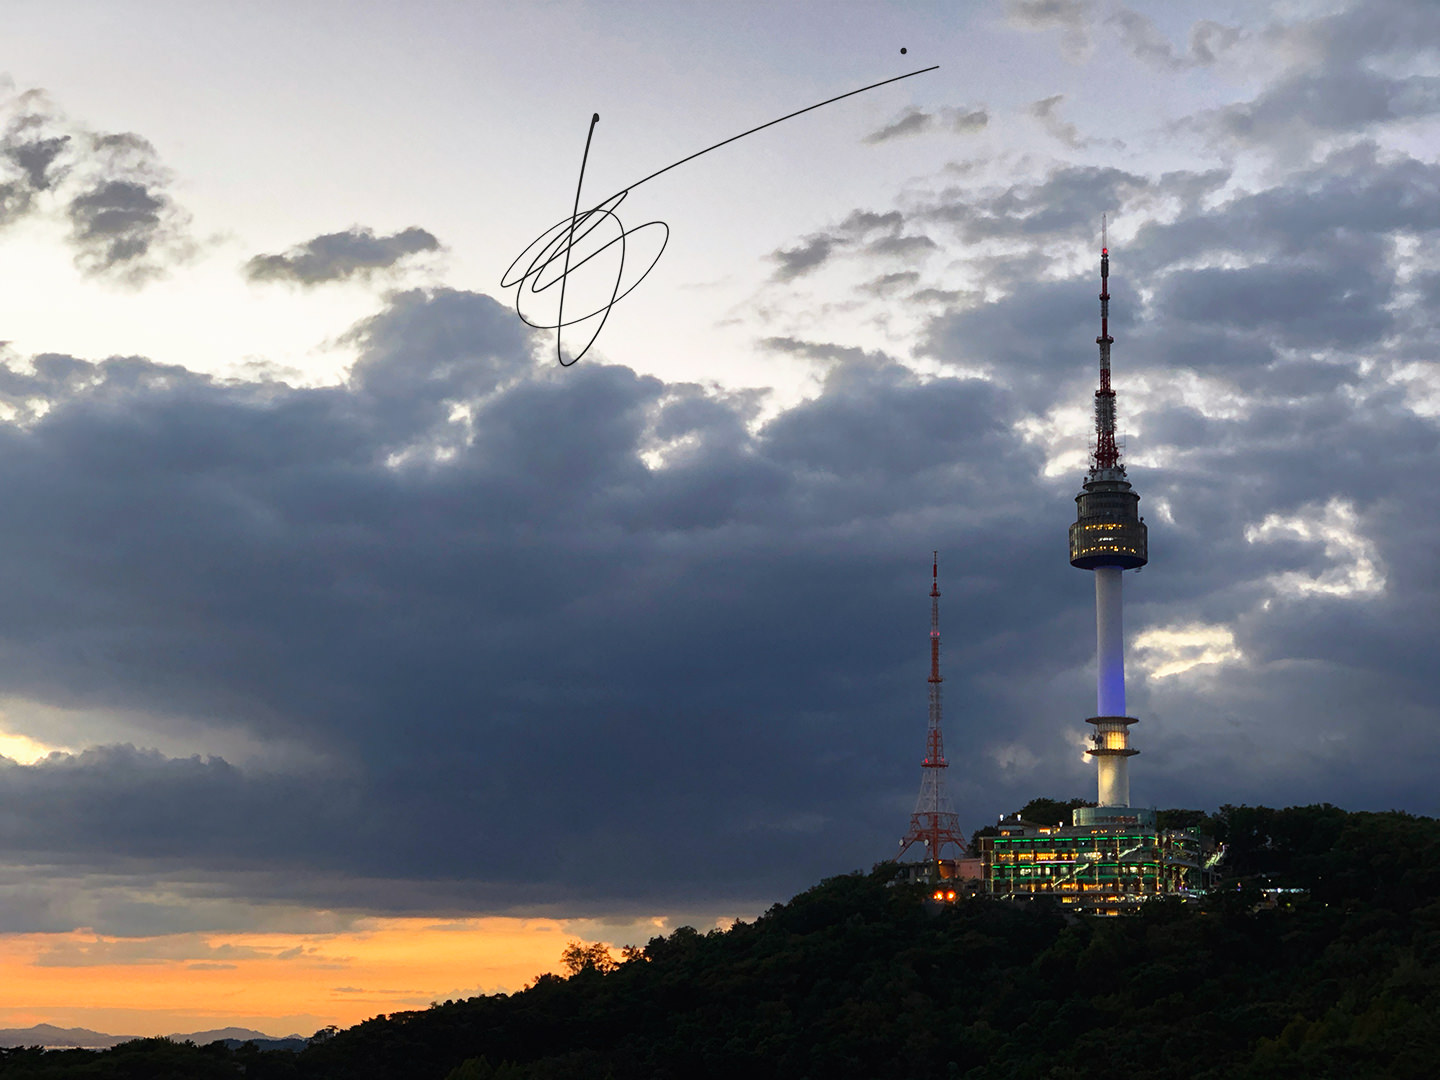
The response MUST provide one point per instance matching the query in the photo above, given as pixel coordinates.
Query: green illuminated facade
(1107, 865)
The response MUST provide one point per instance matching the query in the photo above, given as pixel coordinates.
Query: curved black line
(560, 239)
(772, 123)
(570, 243)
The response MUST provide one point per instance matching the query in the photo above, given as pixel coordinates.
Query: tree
(595, 956)
(1177, 818)
(1052, 811)
(975, 847)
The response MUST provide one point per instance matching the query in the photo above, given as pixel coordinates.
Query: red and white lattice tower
(934, 824)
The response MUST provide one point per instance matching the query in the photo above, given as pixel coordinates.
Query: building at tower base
(1109, 862)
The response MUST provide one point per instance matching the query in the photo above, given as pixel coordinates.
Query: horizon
(552, 969)
(219, 1033)
(356, 655)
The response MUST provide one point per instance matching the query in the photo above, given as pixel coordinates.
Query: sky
(354, 654)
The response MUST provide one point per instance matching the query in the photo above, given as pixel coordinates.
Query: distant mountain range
(85, 1039)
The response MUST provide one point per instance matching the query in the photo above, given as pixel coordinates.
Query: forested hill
(859, 977)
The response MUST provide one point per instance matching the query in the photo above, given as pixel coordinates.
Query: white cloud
(1013, 759)
(1163, 651)
(25, 750)
(1355, 571)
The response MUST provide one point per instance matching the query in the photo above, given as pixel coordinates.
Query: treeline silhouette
(862, 976)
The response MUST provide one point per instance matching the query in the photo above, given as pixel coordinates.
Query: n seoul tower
(1108, 538)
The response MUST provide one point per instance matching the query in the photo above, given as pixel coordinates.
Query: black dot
(902, 52)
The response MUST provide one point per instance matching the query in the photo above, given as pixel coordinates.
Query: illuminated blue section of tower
(1109, 643)
(1108, 538)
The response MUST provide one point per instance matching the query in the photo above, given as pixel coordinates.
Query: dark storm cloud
(904, 247)
(1311, 307)
(357, 252)
(1040, 213)
(1352, 76)
(111, 188)
(1339, 209)
(1304, 266)
(537, 666)
(1299, 266)
(14, 201)
(940, 297)
(103, 790)
(1331, 102)
(32, 149)
(1208, 40)
(802, 259)
(591, 639)
(1326, 226)
(36, 159)
(123, 222)
(1016, 334)
(912, 121)
(1066, 132)
(115, 223)
(964, 121)
(1062, 200)
(888, 284)
(1043, 14)
(1144, 40)
(533, 627)
(863, 232)
(32, 144)
(1071, 17)
(1428, 286)
(824, 350)
(915, 121)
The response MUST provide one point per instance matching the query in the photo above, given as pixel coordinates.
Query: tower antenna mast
(1107, 455)
(934, 823)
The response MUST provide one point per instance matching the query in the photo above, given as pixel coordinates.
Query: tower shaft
(1113, 769)
(1109, 642)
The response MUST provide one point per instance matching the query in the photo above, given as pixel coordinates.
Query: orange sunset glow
(277, 983)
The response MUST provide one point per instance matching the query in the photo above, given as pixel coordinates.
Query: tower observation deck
(1108, 529)
(1108, 538)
